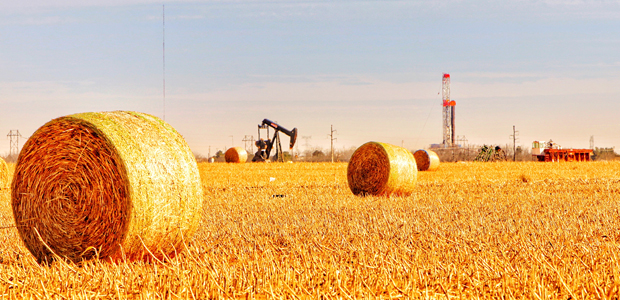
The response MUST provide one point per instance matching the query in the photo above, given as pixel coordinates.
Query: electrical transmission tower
(448, 112)
(249, 139)
(307, 138)
(14, 136)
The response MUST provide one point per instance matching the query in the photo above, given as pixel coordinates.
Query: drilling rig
(449, 113)
(266, 145)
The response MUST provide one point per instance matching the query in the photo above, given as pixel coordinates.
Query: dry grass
(514, 230)
(4, 174)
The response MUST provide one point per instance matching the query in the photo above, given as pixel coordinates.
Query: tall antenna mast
(163, 16)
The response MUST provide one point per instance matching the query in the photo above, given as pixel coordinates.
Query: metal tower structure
(249, 139)
(448, 113)
(14, 135)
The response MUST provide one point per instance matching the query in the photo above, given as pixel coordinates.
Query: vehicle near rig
(551, 152)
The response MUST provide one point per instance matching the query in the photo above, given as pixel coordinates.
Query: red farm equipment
(550, 152)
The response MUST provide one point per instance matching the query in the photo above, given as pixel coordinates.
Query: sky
(370, 69)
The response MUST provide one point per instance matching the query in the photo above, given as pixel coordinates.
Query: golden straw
(236, 155)
(112, 184)
(382, 169)
(426, 160)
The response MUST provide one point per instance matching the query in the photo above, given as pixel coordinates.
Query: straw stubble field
(522, 230)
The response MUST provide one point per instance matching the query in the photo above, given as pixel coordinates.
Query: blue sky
(372, 69)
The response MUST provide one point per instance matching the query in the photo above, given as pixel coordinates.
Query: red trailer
(565, 155)
(548, 151)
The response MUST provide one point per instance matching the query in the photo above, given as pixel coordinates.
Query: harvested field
(4, 174)
(520, 230)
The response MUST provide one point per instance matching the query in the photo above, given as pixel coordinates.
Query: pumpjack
(266, 145)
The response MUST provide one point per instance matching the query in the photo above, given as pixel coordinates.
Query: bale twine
(116, 185)
(236, 155)
(4, 174)
(382, 169)
(426, 160)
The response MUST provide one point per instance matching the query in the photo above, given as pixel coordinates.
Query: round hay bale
(4, 174)
(116, 185)
(382, 169)
(426, 160)
(236, 155)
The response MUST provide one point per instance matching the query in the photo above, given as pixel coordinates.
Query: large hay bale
(426, 160)
(4, 174)
(382, 169)
(236, 155)
(114, 185)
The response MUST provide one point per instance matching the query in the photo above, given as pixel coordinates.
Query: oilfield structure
(452, 147)
(448, 113)
(455, 148)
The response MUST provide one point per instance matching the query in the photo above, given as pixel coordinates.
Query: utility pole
(331, 134)
(232, 141)
(209, 152)
(514, 143)
(592, 142)
(14, 136)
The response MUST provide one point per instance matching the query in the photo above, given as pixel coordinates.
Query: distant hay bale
(426, 160)
(4, 174)
(382, 169)
(236, 155)
(116, 185)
